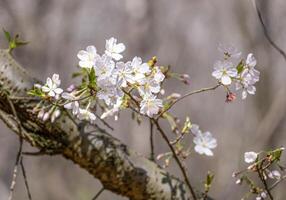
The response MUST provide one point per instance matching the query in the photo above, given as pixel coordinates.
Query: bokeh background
(182, 33)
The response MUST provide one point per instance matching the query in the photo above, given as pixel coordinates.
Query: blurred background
(184, 34)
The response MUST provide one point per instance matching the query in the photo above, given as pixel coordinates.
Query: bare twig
(152, 153)
(19, 154)
(98, 193)
(272, 43)
(25, 179)
(15, 171)
(187, 95)
(104, 122)
(182, 168)
(277, 182)
(261, 176)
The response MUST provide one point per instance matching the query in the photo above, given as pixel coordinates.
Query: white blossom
(52, 86)
(246, 84)
(88, 57)
(85, 114)
(149, 86)
(115, 109)
(113, 49)
(204, 142)
(124, 73)
(109, 93)
(250, 157)
(104, 67)
(150, 105)
(139, 70)
(158, 75)
(224, 71)
(73, 104)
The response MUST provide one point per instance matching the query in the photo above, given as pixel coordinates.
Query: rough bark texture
(119, 169)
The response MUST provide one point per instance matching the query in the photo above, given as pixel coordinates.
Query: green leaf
(208, 181)
(240, 67)
(7, 35)
(14, 42)
(276, 154)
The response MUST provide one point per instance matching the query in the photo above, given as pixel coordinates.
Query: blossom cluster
(266, 164)
(204, 141)
(112, 83)
(233, 69)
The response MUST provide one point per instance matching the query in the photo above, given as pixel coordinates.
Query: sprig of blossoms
(266, 166)
(109, 83)
(242, 73)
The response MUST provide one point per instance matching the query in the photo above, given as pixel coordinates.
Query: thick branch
(119, 169)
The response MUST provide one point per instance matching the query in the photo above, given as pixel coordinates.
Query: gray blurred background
(182, 33)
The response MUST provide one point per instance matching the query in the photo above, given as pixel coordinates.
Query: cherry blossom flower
(246, 84)
(52, 86)
(85, 114)
(73, 104)
(158, 76)
(104, 67)
(150, 105)
(149, 86)
(204, 142)
(224, 71)
(88, 57)
(139, 70)
(124, 73)
(250, 157)
(113, 49)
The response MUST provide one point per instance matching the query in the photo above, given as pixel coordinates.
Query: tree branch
(119, 169)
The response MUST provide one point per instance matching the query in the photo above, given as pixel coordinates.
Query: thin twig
(104, 122)
(182, 168)
(98, 193)
(266, 34)
(19, 154)
(15, 171)
(261, 176)
(187, 95)
(25, 179)
(277, 182)
(152, 153)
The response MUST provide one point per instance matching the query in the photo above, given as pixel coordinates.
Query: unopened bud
(230, 97)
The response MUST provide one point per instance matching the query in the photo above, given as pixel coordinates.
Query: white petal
(244, 94)
(232, 72)
(117, 56)
(217, 74)
(82, 55)
(251, 89)
(250, 60)
(226, 80)
(91, 50)
(45, 89)
(250, 157)
(58, 90)
(52, 93)
(119, 48)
